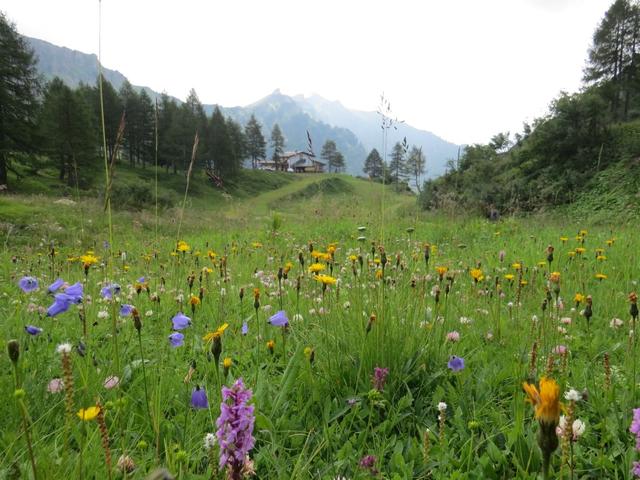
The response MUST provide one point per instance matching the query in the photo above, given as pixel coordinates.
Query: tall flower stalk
(235, 430)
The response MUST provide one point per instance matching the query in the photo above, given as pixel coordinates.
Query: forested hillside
(586, 138)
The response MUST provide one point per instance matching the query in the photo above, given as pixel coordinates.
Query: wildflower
(176, 339)
(33, 330)
(279, 319)
(217, 334)
(271, 344)
(126, 464)
(111, 382)
(476, 274)
(56, 385)
(453, 336)
(554, 277)
(88, 414)
(455, 363)
(316, 268)
(616, 323)
(64, 348)
(55, 286)
(501, 255)
(601, 276)
(578, 427)
(199, 398)
(635, 426)
(368, 463)
(227, 363)
(183, 246)
(110, 290)
(560, 350)
(125, 310)
(209, 441)
(180, 321)
(509, 276)
(379, 378)
(441, 271)
(245, 328)
(547, 410)
(325, 279)
(28, 284)
(235, 428)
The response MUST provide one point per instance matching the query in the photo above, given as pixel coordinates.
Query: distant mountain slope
(354, 132)
(295, 122)
(366, 126)
(71, 66)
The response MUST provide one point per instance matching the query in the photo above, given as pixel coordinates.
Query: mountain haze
(355, 132)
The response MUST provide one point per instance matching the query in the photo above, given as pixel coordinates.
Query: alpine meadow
(297, 289)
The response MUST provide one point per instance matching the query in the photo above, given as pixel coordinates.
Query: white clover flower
(103, 314)
(616, 323)
(346, 305)
(266, 308)
(578, 428)
(209, 441)
(148, 313)
(442, 406)
(64, 348)
(573, 395)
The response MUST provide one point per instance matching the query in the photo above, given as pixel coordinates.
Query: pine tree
(277, 143)
(374, 165)
(256, 144)
(613, 58)
(238, 147)
(220, 149)
(66, 127)
(397, 166)
(19, 87)
(328, 153)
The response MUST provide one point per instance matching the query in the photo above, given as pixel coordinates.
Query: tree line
(52, 125)
(405, 166)
(557, 156)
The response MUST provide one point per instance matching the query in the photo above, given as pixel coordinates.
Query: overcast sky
(463, 69)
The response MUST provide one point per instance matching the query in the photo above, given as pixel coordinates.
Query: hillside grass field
(381, 301)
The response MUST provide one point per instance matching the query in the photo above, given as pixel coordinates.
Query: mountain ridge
(355, 132)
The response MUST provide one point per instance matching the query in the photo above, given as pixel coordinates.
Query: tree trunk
(3, 169)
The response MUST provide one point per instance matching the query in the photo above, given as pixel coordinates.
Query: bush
(138, 197)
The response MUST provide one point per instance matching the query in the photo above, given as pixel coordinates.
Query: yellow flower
(325, 279)
(331, 248)
(194, 300)
(509, 276)
(379, 273)
(476, 274)
(183, 246)
(88, 259)
(88, 414)
(316, 254)
(517, 266)
(542, 264)
(583, 233)
(610, 242)
(601, 276)
(227, 362)
(546, 401)
(316, 267)
(580, 250)
(601, 258)
(564, 239)
(353, 258)
(218, 333)
(271, 345)
(554, 277)
(441, 271)
(256, 245)
(524, 283)
(308, 351)
(571, 254)
(579, 298)
(212, 255)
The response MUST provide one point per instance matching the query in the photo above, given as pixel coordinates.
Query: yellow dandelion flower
(379, 273)
(546, 400)
(441, 271)
(554, 277)
(316, 267)
(517, 266)
(256, 245)
(578, 298)
(580, 250)
(326, 279)
(353, 258)
(564, 239)
(476, 274)
(217, 334)
(509, 276)
(227, 362)
(601, 276)
(183, 246)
